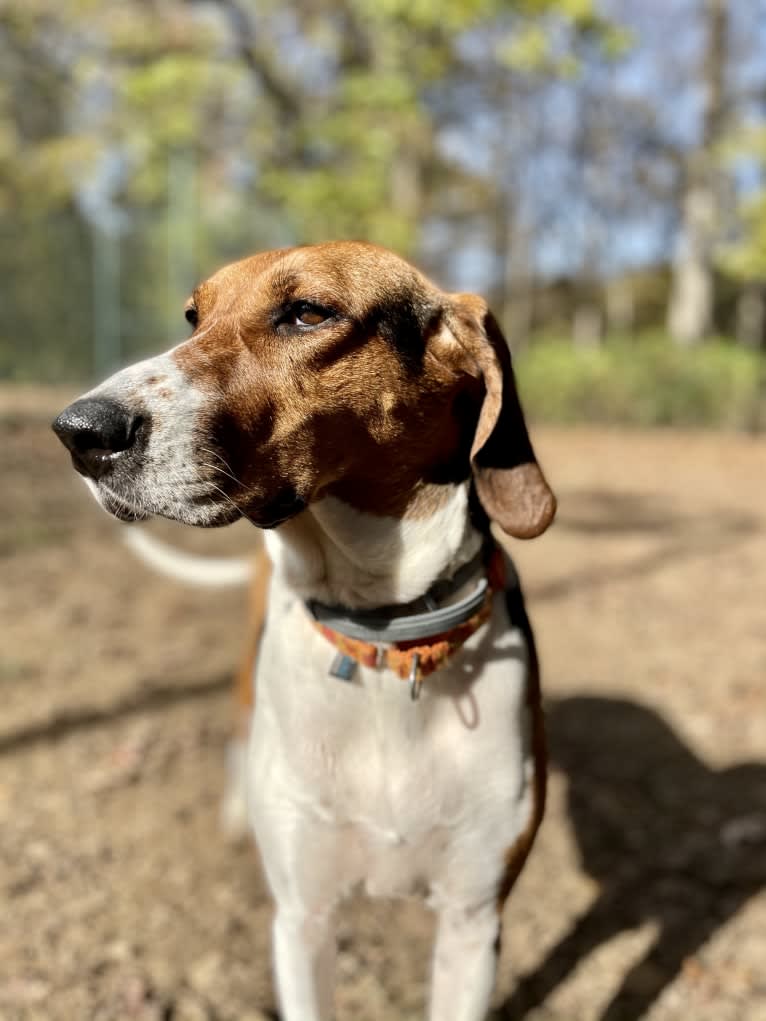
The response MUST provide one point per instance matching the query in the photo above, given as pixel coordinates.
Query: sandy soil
(644, 895)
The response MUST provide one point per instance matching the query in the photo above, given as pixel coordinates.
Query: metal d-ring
(416, 682)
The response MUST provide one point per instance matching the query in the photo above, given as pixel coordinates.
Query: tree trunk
(587, 327)
(620, 305)
(751, 316)
(690, 311)
(690, 314)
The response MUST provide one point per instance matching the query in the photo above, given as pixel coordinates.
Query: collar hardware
(412, 645)
(343, 667)
(416, 681)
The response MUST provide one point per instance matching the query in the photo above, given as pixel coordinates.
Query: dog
(369, 422)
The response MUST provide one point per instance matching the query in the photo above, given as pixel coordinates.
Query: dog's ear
(509, 483)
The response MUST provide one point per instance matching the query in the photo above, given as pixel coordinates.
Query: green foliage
(292, 125)
(746, 257)
(645, 382)
(166, 77)
(47, 274)
(746, 260)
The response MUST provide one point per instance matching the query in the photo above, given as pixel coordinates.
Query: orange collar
(415, 660)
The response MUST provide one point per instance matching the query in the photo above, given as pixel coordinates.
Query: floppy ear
(509, 483)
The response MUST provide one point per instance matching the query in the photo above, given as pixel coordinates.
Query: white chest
(407, 788)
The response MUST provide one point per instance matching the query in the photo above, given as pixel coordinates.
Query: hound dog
(369, 422)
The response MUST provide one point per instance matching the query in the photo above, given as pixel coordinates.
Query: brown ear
(509, 482)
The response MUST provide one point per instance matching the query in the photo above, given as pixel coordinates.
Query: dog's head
(331, 369)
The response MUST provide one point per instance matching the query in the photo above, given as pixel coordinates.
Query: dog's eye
(310, 317)
(192, 316)
(304, 314)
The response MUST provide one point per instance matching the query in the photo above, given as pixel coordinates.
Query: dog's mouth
(204, 512)
(136, 493)
(115, 504)
(273, 512)
(121, 511)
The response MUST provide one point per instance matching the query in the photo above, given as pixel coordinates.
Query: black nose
(94, 430)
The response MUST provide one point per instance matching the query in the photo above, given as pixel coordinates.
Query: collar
(413, 644)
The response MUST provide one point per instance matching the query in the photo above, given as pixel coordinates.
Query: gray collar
(404, 623)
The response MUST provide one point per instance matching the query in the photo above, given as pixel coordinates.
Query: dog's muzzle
(99, 434)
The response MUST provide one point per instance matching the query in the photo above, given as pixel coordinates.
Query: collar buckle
(415, 679)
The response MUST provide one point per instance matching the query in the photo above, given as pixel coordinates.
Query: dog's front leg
(465, 959)
(304, 962)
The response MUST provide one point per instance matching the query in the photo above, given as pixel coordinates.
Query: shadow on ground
(667, 838)
(604, 514)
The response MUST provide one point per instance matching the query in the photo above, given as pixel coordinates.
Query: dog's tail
(208, 572)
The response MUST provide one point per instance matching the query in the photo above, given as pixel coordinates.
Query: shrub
(644, 381)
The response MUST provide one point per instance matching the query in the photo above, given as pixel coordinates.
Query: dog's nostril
(135, 430)
(94, 429)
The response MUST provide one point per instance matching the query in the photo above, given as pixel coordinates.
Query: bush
(644, 381)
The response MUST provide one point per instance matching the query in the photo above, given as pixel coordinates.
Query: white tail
(209, 572)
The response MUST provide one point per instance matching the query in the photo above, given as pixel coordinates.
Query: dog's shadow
(667, 838)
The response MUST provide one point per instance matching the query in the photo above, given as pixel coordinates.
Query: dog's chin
(200, 514)
(199, 509)
(123, 513)
(118, 508)
(216, 516)
(213, 515)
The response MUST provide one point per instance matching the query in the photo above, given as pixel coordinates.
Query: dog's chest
(407, 785)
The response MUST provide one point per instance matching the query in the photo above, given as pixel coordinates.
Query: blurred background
(598, 171)
(595, 169)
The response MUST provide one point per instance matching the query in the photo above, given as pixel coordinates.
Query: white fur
(354, 783)
(179, 478)
(340, 555)
(349, 783)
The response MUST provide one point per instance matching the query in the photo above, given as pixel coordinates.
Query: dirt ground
(644, 897)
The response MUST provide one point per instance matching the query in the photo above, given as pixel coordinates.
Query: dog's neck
(342, 556)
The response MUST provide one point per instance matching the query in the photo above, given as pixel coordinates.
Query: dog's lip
(225, 515)
(121, 509)
(221, 512)
(119, 505)
(276, 522)
(272, 524)
(130, 516)
(105, 457)
(275, 513)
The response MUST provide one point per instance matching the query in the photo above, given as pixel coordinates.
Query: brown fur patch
(426, 501)
(508, 479)
(376, 405)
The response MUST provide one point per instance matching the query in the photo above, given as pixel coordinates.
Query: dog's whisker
(215, 468)
(226, 496)
(216, 454)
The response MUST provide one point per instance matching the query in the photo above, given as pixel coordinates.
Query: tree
(329, 120)
(690, 310)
